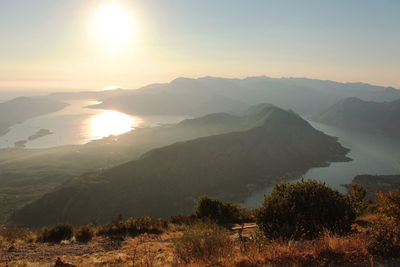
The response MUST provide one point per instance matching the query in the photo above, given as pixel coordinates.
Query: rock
(60, 263)
(11, 249)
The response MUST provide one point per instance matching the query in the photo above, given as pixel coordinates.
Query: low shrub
(385, 238)
(148, 225)
(15, 233)
(184, 219)
(303, 210)
(385, 233)
(220, 212)
(203, 243)
(389, 204)
(84, 234)
(357, 198)
(56, 234)
(133, 227)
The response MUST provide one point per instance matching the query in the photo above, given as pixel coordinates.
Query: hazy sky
(49, 44)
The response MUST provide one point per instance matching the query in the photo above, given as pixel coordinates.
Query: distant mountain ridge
(196, 97)
(353, 113)
(268, 145)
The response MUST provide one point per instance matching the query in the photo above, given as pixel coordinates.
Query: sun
(114, 25)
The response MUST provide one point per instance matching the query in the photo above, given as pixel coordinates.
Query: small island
(40, 133)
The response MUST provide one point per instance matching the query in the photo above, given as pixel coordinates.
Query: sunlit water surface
(77, 124)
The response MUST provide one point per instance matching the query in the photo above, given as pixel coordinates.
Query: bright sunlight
(114, 25)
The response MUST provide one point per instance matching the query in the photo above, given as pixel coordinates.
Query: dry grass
(133, 227)
(204, 244)
(14, 234)
(325, 250)
(196, 245)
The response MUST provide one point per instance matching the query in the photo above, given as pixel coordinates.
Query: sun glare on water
(114, 25)
(111, 123)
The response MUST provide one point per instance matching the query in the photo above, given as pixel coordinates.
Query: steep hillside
(194, 97)
(29, 173)
(168, 180)
(23, 108)
(353, 113)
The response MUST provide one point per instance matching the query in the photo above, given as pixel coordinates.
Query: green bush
(303, 210)
(57, 233)
(203, 242)
(84, 234)
(219, 212)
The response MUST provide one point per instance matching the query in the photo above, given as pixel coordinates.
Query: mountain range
(197, 97)
(374, 117)
(260, 147)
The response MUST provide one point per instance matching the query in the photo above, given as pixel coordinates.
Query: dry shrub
(251, 251)
(328, 250)
(203, 243)
(57, 233)
(385, 232)
(15, 233)
(84, 234)
(133, 227)
(184, 219)
(357, 198)
(389, 204)
(385, 238)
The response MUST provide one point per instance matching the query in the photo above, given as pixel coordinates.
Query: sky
(61, 45)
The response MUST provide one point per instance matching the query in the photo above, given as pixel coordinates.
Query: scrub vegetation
(217, 234)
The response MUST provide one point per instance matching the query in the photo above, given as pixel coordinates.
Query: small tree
(303, 210)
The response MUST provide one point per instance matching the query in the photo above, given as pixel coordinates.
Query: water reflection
(111, 122)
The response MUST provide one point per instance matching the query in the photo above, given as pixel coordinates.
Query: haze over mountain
(353, 113)
(194, 97)
(271, 145)
(23, 108)
(27, 174)
(98, 95)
